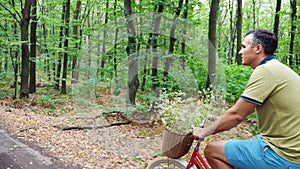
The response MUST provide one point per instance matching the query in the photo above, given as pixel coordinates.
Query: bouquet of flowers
(178, 112)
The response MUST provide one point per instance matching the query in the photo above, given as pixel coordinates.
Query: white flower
(178, 112)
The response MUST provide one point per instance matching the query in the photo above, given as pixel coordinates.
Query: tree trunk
(115, 44)
(24, 91)
(33, 26)
(14, 56)
(133, 81)
(104, 40)
(66, 45)
(148, 46)
(185, 15)
(61, 35)
(75, 73)
(232, 33)
(54, 65)
(43, 45)
(140, 41)
(213, 15)
(153, 42)
(89, 45)
(169, 60)
(46, 52)
(276, 20)
(254, 14)
(293, 29)
(15, 61)
(239, 22)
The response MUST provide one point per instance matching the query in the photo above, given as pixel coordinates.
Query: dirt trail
(125, 146)
(16, 155)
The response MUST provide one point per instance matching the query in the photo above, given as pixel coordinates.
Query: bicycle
(196, 161)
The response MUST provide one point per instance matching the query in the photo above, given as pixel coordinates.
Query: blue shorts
(255, 154)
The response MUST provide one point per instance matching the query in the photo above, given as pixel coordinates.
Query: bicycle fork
(197, 159)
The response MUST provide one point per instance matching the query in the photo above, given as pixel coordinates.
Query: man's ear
(259, 48)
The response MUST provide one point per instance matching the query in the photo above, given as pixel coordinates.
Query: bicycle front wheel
(166, 163)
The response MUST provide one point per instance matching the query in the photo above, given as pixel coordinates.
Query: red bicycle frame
(197, 159)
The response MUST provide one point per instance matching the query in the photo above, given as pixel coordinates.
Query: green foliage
(237, 77)
(45, 101)
(6, 85)
(297, 70)
(253, 126)
(146, 98)
(199, 69)
(91, 20)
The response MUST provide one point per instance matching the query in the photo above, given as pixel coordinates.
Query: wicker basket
(175, 145)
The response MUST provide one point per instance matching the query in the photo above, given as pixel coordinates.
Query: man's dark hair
(266, 38)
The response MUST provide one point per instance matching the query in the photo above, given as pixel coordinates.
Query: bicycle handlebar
(199, 139)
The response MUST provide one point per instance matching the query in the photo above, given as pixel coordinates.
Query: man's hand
(197, 133)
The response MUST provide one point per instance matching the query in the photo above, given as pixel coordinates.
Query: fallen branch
(95, 127)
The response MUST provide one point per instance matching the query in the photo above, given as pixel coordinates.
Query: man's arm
(231, 117)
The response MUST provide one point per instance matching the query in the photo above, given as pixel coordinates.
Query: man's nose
(240, 51)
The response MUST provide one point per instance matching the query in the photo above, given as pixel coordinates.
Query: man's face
(248, 53)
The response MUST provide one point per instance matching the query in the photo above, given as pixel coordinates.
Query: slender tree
(133, 81)
(140, 42)
(277, 16)
(33, 27)
(153, 41)
(232, 32)
(104, 39)
(14, 53)
(66, 46)
(89, 44)
(293, 30)
(60, 46)
(169, 60)
(82, 19)
(24, 20)
(254, 14)
(213, 15)
(115, 43)
(44, 44)
(148, 46)
(75, 65)
(239, 16)
(24, 93)
(183, 45)
(15, 61)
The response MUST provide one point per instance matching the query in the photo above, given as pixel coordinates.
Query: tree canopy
(141, 46)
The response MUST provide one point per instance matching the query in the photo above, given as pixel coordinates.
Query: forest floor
(99, 145)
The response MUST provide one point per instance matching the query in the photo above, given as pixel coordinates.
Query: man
(273, 91)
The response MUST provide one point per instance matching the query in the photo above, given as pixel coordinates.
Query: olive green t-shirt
(275, 88)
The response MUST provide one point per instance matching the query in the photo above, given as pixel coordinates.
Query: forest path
(124, 146)
(17, 155)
